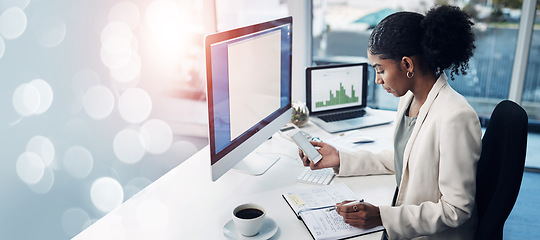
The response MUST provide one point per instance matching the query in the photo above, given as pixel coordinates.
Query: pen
(364, 141)
(347, 204)
(310, 209)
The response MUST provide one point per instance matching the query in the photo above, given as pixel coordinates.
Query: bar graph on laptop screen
(336, 88)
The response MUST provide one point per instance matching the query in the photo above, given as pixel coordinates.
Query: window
(238, 13)
(531, 88)
(341, 29)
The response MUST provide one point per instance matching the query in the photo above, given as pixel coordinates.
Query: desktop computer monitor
(248, 73)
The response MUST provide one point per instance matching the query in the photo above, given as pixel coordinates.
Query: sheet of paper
(325, 224)
(320, 196)
(296, 200)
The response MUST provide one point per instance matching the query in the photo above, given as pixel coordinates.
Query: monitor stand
(256, 163)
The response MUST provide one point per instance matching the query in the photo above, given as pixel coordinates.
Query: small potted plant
(300, 114)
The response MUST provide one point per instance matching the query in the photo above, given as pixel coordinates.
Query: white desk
(186, 204)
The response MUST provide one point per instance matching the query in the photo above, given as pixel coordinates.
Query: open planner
(312, 207)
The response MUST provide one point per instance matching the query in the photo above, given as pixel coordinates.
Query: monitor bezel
(229, 35)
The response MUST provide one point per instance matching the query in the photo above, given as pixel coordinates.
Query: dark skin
(392, 75)
(367, 215)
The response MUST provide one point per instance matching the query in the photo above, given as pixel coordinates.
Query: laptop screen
(336, 87)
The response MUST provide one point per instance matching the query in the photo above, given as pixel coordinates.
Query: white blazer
(438, 185)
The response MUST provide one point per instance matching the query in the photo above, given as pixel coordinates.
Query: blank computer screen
(248, 73)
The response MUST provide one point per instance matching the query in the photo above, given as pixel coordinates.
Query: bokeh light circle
(98, 102)
(128, 146)
(135, 105)
(78, 162)
(77, 131)
(152, 214)
(117, 58)
(157, 136)
(83, 80)
(116, 44)
(73, 220)
(16, 3)
(120, 32)
(30, 168)
(106, 194)
(51, 31)
(127, 12)
(45, 184)
(2, 47)
(129, 71)
(180, 151)
(135, 185)
(43, 147)
(26, 99)
(45, 95)
(13, 23)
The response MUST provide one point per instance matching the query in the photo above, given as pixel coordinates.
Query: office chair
(500, 168)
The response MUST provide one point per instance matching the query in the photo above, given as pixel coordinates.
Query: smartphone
(302, 142)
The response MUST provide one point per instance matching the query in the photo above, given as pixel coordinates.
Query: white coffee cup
(248, 218)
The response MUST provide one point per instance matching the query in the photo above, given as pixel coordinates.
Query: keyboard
(342, 115)
(321, 176)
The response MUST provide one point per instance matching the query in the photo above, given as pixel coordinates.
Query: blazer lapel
(422, 114)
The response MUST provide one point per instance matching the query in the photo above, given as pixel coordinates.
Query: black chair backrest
(500, 168)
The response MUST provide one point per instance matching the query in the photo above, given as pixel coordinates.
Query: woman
(437, 140)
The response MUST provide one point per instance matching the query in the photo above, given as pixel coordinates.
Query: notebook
(336, 97)
(313, 205)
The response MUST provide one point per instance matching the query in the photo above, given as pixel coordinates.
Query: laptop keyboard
(342, 115)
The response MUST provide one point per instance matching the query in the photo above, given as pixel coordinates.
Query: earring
(411, 74)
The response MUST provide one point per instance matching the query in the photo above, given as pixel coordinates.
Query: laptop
(336, 98)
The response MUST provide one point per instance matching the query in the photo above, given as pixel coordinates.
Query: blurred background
(99, 98)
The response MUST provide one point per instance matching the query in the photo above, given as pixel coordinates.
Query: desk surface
(186, 204)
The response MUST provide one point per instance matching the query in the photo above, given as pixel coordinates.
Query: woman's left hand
(364, 215)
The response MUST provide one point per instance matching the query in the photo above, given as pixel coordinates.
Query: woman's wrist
(378, 214)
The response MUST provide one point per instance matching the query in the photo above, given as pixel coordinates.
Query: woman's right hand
(330, 156)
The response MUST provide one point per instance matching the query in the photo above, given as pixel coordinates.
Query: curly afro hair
(444, 38)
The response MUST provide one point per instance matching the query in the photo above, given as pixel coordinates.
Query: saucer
(268, 229)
